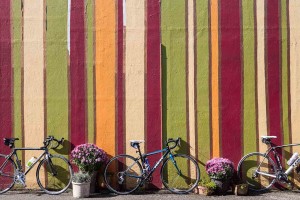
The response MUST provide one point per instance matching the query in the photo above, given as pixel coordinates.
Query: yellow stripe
(33, 80)
(135, 72)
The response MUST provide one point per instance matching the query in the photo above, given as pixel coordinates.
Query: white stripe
(68, 28)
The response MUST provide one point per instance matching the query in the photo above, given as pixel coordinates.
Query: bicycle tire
(7, 181)
(54, 183)
(186, 180)
(115, 179)
(247, 167)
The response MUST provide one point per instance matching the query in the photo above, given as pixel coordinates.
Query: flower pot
(81, 190)
(241, 189)
(204, 191)
(93, 182)
(223, 185)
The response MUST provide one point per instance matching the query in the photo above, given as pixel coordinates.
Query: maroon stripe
(120, 82)
(5, 73)
(154, 119)
(231, 79)
(77, 73)
(273, 69)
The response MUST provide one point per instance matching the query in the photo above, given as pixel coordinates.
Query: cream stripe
(191, 79)
(33, 79)
(261, 81)
(135, 72)
(295, 70)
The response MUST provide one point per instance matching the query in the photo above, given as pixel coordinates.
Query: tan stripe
(33, 80)
(191, 79)
(261, 87)
(135, 72)
(294, 15)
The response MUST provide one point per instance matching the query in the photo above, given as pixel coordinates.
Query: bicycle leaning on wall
(124, 173)
(53, 173)
(259, 169)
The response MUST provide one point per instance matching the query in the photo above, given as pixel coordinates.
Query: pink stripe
(154, 120)
(120, 80)
(273, 70)
(5, 73)
(77, 73)
(231, 80)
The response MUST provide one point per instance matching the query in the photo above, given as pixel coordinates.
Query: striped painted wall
(219, 74)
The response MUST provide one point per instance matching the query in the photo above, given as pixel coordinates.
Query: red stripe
(273, 69)
(5, 73)
(77, 73)
(154, 132)
(231, 88)
(120, 82)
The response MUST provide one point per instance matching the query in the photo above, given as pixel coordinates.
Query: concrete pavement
(163, 195)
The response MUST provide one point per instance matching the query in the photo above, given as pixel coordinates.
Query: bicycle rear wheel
(54, 175)
(7, 174)
(123, 174)
(258, 170)
(180, 173)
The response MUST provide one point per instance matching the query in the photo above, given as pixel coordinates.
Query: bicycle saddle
(135, 143)
(10, 141)
(268, 137)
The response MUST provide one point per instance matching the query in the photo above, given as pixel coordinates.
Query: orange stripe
(215, 78)
(105, 15)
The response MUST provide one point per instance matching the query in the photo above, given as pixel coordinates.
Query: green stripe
(173, 30)
(90, 69)
(57, 71)
(17, 70)
(203, 101)
(249, 115)
(284, 77)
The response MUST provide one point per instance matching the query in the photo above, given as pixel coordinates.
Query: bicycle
(53, 173)
(124, 173)
(260, 171)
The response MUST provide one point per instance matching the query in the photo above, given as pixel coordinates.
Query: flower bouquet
(220, 170)
(88, 157)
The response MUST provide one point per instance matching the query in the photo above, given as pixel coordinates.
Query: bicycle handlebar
(49, 139)
(176, 141)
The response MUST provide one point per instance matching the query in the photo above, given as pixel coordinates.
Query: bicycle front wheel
(54, 174)
(7, 174)
(123, 174)
(258, 170)
(180, 173)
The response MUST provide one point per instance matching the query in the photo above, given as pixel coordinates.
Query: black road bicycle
(179, 173)
(262, 170)
(53, 174)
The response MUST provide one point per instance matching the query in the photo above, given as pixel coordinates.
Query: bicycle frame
(17, 162)
(277, 159)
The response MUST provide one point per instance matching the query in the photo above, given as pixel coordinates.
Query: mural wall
(219, 74)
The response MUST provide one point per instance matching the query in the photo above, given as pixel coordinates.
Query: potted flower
(81, 185)
(206, 188)
(89, 158)
(220, 170)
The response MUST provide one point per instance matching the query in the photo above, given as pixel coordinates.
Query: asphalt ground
(164, 195)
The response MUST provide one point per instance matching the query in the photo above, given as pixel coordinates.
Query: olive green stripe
(284, 73)
(249, 108)
(17, 70)
(57, 71)
(202, 77)
(174, 62)
(90, 69)
(173, 30)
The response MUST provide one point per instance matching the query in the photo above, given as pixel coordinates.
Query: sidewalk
(29, 195)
